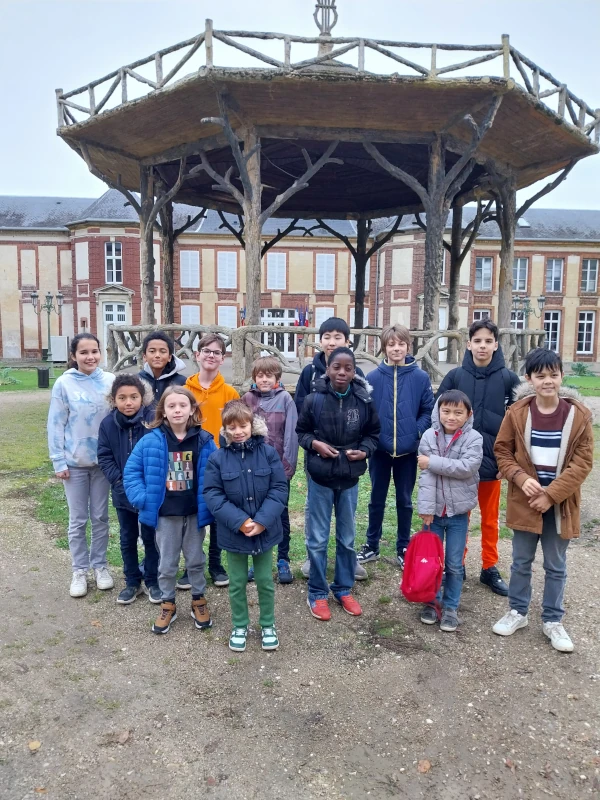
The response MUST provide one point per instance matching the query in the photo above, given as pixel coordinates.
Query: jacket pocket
(232, 484)
(262, 479)
(320, 469)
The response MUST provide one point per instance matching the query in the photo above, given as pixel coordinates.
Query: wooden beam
(326, 134)
(185, 150)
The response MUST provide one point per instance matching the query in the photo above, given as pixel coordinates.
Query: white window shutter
(227, 270)
(227, 316)
(190, 315)
(190, 269)
(321, 314)
(353, 274)
(276, 271)
(325, 280)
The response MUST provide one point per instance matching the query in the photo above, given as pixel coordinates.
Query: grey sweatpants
(87, 491)
(174, 535)
(555, 566)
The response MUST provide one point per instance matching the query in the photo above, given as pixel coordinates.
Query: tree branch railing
(124, 345)
(525, 72)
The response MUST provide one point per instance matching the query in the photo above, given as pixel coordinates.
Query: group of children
(180, 455)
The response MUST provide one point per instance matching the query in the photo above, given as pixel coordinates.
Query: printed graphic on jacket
(180, 475)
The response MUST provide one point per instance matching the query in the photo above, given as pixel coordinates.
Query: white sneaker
(79, 584)
(558, 636)
(104, 579)
(305, 568)
(510, 623)
(361, 573)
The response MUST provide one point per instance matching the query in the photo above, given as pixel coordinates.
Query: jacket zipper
(395, 406)
(457, 435)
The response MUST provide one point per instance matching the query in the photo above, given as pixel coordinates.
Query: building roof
(40, 213)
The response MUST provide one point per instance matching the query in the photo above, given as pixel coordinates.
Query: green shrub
(6, 379)
(580, 369)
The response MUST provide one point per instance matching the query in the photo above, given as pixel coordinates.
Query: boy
(268, 399)
(211, 392)
(489, 385)
(403, 398)
(450, 455)
(334, 332)
(545, 450)
(339, 428)
(162, 368)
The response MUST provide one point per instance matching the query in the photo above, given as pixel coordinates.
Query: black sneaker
(184, 582)
(428, 615)
(400, 558)
(129, 595)
(154, 594)
(218, 576)
(366, 554)
(464, 573)
(492, 578)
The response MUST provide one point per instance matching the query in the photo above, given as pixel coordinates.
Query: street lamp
(523, 305)
(48, 306)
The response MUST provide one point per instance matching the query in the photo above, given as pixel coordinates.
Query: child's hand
(423, 462)
(64, 475)
(247, 526)
(324, 450)
(541, 503)
(355, 455)
(427, 518)
(532, 488)
(255, 529)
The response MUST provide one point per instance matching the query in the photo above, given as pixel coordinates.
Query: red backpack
(423, 568)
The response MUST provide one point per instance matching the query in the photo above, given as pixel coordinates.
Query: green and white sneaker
(269, 639)
(237, 640)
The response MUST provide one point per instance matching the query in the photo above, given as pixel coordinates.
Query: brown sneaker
(167, 615)
(200, 613)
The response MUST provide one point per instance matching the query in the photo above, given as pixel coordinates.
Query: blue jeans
(404, 471)
(454, 529)
(130, 530)
(322, 501)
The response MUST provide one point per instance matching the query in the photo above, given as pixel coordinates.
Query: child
(339, 428)
(77, 408)
(268, 399)
(245, 488)
(545, 450)
(120, 431)
(164, 480)
(334, 332)
(162, 368)
(403, 398)
(212, 393)
(450, 454)
(489, 385)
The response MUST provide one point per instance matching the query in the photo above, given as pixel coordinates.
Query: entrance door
(443, 325)
(114, 314)
(284, 342)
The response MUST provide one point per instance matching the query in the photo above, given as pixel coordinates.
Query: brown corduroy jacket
(513, 453)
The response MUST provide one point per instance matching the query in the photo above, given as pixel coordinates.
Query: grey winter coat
(451, 481)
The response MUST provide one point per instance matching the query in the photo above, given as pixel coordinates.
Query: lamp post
(523, 304)
(48, 306)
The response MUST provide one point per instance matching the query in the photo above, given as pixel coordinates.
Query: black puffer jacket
(346, 423)
(490, 390)
(309, 377)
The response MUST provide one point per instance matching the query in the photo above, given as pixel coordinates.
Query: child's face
(239, 431)
(87, 356)
(395, 351)
(331, 340)
(128, 400)
(264, 382)
(482, 345)
(178, 409)
(210, 357)
(341, 371)
(547, 382)
(157, 355)
(453, 417)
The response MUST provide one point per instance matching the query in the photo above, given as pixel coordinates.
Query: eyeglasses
(215, 353)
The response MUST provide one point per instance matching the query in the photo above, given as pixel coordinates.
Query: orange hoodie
(211, 401)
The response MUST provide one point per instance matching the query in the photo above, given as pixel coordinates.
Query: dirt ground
(93, 705)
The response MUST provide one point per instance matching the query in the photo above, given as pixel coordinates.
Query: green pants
(263, 577)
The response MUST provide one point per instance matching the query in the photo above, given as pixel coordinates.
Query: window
(444, 253)
(589, 275)
(325, 278)
(481, 313)
(520, 266)
(113, 261)
(552, 328)
(353, 275)
(585, 332)
(554, 274)
(227, 316)
(483, 274)
(189, 263)
(321, 314)
(276, 271)
(190, 315)
(517, 320)
(227, 270)
(351, 317)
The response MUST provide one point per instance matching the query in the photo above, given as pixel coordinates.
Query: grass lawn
(26, 379)
(587, 385)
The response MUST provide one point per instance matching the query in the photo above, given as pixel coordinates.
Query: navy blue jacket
(245, 481)
(404, 401)
(171, 376)
(145, 476)
(309, 377)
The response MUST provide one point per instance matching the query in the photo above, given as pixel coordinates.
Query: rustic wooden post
(506, 55)
(208, 42)
(454, 281)
(60, 109)
(167, 246)
(147, 244)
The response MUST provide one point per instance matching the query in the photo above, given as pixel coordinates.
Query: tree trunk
(167, 242)
(252, 231)
(454, 282)
(360, 261)
(507, 214)
(437, 215)
(146, 245)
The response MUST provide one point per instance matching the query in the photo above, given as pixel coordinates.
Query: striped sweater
(546, 438)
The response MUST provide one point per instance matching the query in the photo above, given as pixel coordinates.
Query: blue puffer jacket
(404, 401)
(245, 481)
(145, 476)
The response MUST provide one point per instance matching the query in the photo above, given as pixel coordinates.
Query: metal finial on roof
(325, 16)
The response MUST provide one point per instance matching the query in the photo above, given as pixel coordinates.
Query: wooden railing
(102, 94)
(124, 345)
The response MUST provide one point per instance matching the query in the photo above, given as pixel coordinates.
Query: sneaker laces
(165, 612)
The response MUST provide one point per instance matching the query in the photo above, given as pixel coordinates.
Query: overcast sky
(66, 43)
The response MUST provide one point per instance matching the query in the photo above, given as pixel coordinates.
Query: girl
(120, 431)
(164, 479)
(77, 408)
(246, 491)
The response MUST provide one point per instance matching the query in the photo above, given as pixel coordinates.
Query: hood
(215, 386)
(256, 391)
(570, 393)
(495, 364)
(437, 426)
(174, 366)
(319, 361)
(259, 430)
(147, 397)
(362, 387)
(96, 375)
(388, 369)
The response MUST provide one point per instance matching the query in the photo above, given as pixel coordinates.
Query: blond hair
(268, 365)
(399, 332)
